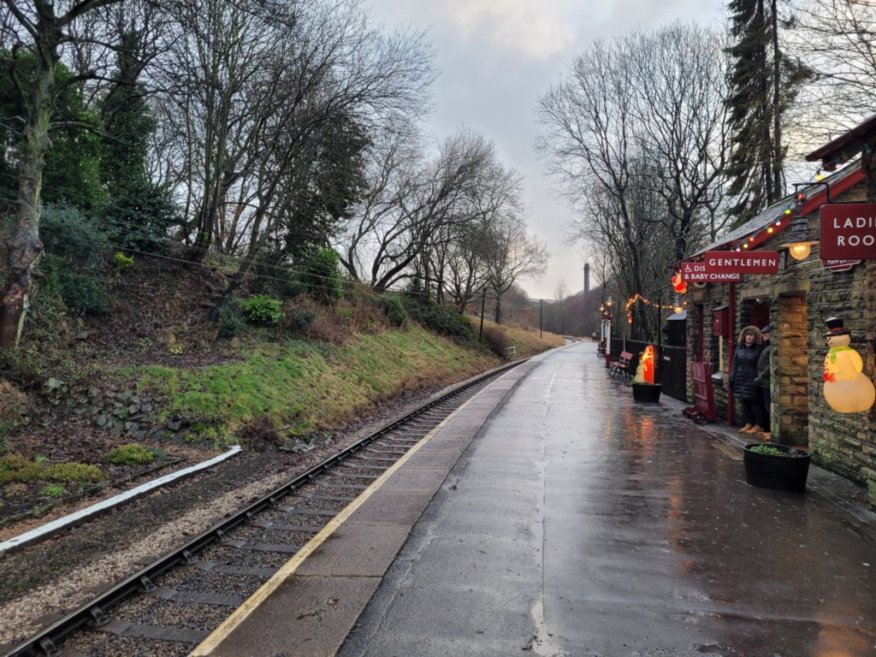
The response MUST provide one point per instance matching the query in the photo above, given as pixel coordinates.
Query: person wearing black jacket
(742, 374)
(762, 380)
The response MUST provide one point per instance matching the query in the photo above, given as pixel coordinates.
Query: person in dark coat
(742, 375)
(762, 380)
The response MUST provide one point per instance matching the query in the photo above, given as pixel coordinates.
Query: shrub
(78, 472)
(231, 322)
(262, 309)
(497, 340)
(14, 467)
(84, 294)
(53, 490)
(131, 454)
(122, 261)
(394, 309)
(74, 237)
(20, 367)
(302, 318)
(320, 275)
(141, 217)
(76, 246)
(440, 319)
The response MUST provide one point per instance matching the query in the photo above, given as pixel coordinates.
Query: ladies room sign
(848, 231)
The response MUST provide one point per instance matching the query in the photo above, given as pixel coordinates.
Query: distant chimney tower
(586, 278)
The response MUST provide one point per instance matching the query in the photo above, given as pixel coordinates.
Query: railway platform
(554, 515)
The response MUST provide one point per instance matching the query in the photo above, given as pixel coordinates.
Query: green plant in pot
(778, 467)
(644, 387)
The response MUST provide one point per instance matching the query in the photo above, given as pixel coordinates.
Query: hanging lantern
(678, 284)
(846, 388)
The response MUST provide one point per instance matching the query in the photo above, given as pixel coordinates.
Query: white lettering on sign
(854, 222)
(848, 231)
(712, 277)
(741, 262)
(856, 240)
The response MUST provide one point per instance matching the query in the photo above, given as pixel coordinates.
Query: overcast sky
(495, 58)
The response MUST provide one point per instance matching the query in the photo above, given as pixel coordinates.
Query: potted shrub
(644, 388)
(776, 466)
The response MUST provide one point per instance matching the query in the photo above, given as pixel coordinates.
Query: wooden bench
(621, 366)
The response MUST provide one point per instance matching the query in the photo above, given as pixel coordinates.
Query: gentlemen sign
(728, 266)
(742, 262)
(848, 231)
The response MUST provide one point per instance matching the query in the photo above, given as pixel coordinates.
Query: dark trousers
(753, 412)
(766, 407)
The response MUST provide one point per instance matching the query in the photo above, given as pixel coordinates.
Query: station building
(803, 260)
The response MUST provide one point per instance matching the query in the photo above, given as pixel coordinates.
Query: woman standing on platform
(742, 375)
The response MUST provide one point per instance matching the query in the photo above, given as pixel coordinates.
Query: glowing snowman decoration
(846, 388)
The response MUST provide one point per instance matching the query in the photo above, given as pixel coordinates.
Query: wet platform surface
(554, 515)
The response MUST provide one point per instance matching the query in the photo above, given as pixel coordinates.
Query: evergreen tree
(750, 167)
(763, 82)
(139, 213)
(71, 174)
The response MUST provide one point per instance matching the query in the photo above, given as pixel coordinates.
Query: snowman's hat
(835, 327)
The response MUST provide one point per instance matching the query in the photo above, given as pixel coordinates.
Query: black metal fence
(671, 370)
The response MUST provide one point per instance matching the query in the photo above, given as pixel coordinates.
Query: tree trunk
(778, 183)
(24, 245)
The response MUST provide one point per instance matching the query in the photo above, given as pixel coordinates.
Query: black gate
(672, 367)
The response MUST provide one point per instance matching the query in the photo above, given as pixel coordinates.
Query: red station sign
(848, 231)
(728, 266)
(742, 262)
(698, 272)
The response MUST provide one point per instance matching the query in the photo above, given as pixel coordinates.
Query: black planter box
(647, 392)
(787, 472)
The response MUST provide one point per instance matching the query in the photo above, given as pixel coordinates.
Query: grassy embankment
(301, 386)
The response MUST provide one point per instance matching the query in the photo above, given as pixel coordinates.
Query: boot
(745, 429)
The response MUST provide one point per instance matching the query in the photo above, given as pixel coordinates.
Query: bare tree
(837, 40)
(254, 87)
(409, 208)
(590, 141)
(682, 77)
(636, 134)
(514, 255)
(42, 28)
(458, 254)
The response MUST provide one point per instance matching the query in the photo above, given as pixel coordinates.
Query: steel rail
(93, 614)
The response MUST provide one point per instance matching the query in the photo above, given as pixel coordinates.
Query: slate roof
(775, 211)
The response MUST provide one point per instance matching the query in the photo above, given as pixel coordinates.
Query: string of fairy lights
(749, 242)
(678, 306)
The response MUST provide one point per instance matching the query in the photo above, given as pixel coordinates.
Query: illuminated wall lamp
(800, 250)
(800, 247)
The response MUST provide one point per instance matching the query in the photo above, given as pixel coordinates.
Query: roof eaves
(846, 146)
(814, 193)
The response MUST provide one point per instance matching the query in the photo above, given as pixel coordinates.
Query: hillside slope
(91, 405)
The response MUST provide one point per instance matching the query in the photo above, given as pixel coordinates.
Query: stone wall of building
(801, 297)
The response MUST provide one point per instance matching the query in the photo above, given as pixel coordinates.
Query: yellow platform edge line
(217, 636)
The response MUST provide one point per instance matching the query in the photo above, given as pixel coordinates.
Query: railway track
(171, 605)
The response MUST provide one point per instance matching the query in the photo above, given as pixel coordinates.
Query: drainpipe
(731, 344)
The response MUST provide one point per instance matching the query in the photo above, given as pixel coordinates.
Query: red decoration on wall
(678, 283)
